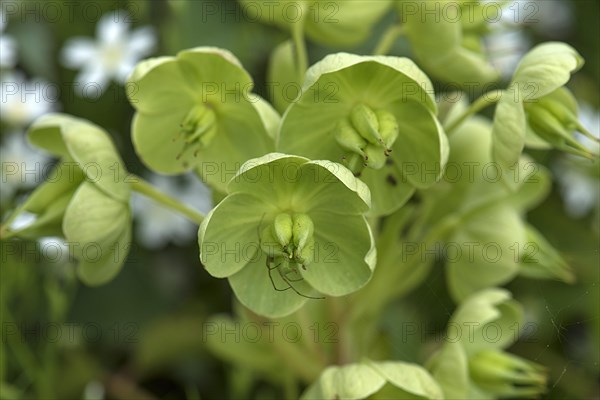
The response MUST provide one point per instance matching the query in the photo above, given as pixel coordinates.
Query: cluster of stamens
(198, 128)
(368, 136)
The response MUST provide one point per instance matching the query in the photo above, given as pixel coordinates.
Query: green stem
(300, 47)
(482, 102)
(143, 187)
(387, 40)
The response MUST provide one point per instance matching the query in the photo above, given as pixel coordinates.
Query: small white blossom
(22, 165)
(23, 101)
(8, 46)
(156, 225)
(113, 55)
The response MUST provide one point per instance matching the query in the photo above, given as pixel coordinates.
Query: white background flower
(22, 165)
(113, 55)
(8, 46)
(156, 225)
(23, 101)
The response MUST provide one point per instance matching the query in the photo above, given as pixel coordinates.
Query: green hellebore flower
(374, 380)
(535, 110)
(490, 243)
(374, 114)
(86, 195)
(332, 23)
(446, 39)
(289, 229)
(472, 363)
(552, 121)
(195, 110)
(506, 375)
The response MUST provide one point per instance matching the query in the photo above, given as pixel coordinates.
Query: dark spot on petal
(391, 180)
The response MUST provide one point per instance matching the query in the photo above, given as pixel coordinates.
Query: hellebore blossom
(376, 115)
(290, 229)
(446, 38)
(332, 23)
(85, 199)
(473, 363)
(374, 380)
(536, 110)
(194, 111)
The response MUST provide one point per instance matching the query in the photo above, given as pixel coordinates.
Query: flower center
(367, 136)
(112, 56)
(198, 128)
(290, 237)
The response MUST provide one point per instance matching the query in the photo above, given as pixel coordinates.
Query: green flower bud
(366, 123)
(507, 375)
(348, 138)
(282, 227)
(388, 127)
(375, 156)
(302, 232)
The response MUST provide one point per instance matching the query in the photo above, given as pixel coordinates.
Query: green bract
(333, 23)
(490, 243)
(374, 380)
(290, 229)
(195, 111)
(446, 39)
(87, 194)
(472, 363)
(374, 114)
(536, 110)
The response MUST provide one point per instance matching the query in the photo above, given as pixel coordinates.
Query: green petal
(343, 23)
(88, 145)
(390, 190)
(508, 135)
(422, 147)
(283, 75)
(485, 244)
(486, 320)
(353, 381)
(534, 184)
(437, 45)
(158, 86)
(329, 186)
(229, 235)
(545, 68)
(411, 379)
(451, 370)
(99, 229)
(254, 289)
(344, 254)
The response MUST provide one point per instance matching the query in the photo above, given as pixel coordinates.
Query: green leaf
(98, 230)
(484, 250)
(88, 145)
(353, 381)
(486, 320)
(545, 68)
